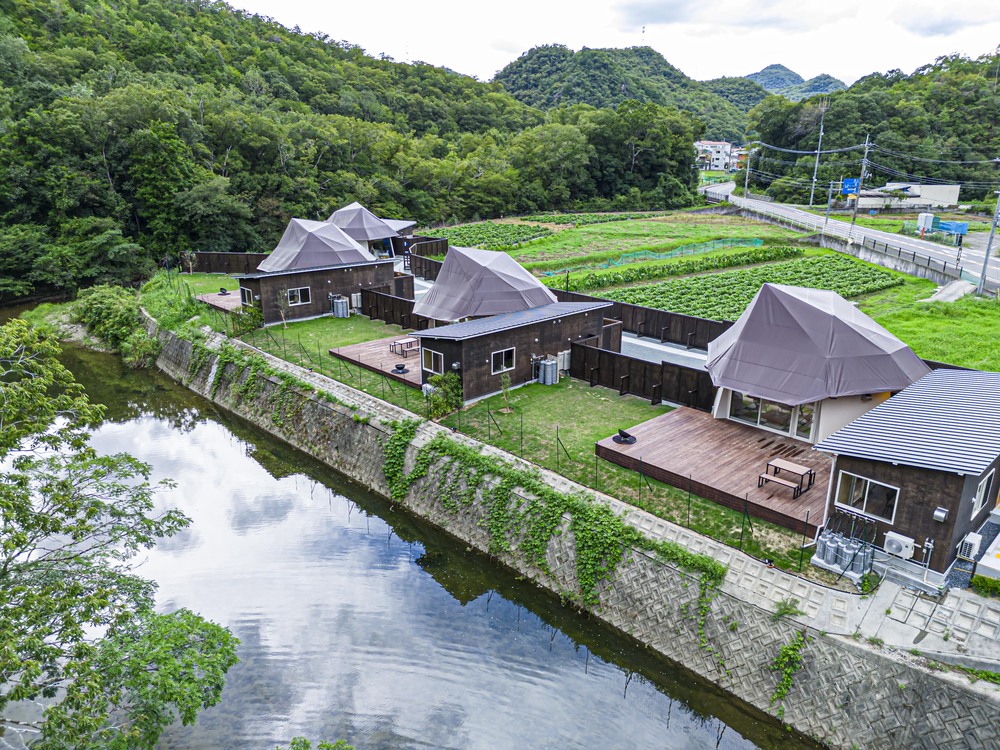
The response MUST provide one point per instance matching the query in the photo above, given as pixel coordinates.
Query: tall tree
(81, 637)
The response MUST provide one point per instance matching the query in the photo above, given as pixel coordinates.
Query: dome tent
(313, 244)
(361, 224)
(795, 346)
(476, 283)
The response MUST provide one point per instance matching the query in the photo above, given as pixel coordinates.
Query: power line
(933, 161)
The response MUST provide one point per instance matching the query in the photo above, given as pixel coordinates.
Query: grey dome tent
(795, 346)
(313, 244)
(476, 283)
(361, 224)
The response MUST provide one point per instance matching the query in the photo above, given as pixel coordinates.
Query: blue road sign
(851, 185)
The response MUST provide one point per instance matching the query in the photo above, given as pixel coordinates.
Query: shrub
(985, 586)
(112, 314)
(447, 394)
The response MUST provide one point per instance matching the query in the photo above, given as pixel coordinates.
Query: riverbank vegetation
(87, 661)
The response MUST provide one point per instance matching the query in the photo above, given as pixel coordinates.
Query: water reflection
(362, 623)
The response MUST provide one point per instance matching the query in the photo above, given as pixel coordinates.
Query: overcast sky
(705, 39)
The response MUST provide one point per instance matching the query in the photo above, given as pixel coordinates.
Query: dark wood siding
(343, 281)
(920, 492)
(657, 382)
(545, 338)
(675, 328)
(227, 263)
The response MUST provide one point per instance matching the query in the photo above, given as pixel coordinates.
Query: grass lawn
(585, 415)
(965, 332)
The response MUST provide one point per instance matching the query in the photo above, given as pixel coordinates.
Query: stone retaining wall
(849, 692)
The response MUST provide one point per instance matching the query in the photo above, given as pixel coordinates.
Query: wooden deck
(226, 302)
(376, 356)
(720, 460)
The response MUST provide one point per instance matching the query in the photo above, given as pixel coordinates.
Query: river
(360, 622)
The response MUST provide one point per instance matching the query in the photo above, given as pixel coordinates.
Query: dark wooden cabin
(482, 350)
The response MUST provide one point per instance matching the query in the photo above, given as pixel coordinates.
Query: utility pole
(861, 182)
(989, 246)
(819, 147)
(746, 175)
(829, 202)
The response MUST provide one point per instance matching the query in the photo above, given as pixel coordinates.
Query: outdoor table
(779, 465)
(404, 346)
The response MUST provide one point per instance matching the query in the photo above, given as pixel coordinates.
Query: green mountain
(775, 78)
(939, 124)
(778, 79)
(132, 131)
(742, 93)
(552, 76)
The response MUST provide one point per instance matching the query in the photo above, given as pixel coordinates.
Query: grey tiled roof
(949, 420)
(508, 321)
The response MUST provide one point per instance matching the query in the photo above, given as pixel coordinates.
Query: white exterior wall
(835, 413)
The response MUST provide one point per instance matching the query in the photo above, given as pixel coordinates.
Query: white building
(714, 155)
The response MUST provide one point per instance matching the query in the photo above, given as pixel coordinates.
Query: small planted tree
(281, 302)
(190, 259)
(505, 390)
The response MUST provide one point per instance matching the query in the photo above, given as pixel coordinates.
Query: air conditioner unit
(428, 389)
(968, 548)
(356, 300)
(898, 545)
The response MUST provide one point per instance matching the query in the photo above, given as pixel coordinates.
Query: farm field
(600, 237)
(724, 295)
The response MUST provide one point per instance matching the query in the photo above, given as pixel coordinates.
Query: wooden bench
(762, 479)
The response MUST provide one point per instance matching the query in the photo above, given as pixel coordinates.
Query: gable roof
(470, 329)
(313, 244)
(947, 420)
(795, 345)
(477, 283)
(361, 224)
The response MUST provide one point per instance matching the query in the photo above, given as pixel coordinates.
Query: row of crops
(490, 236)
(724, 295)
(582, 282)
(582, 220)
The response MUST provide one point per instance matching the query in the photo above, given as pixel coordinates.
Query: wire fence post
(558, 464)
(805, 532)
(489, 431)
(689, 502)
(743, 521)
(521, 451)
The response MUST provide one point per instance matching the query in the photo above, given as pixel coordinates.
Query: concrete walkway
(953, 291)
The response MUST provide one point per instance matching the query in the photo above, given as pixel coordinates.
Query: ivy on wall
(523, 513)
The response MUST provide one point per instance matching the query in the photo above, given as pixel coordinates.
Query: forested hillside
(780, 80)
(136, 129)
(940, 124)
(554, 76)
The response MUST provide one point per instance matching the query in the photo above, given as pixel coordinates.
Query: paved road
(970, 260)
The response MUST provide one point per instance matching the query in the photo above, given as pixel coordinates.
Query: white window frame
(982, 493)
(246, 296)
(502, 353)
(298, 295)
(858, 511)
(424, 351)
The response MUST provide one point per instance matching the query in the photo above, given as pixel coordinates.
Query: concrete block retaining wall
(848, 693)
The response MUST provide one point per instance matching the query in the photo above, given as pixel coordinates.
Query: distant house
(922, 466)
(714, 155)
(313, 263)
(364, 227)
(482, 350)
(910, 194)
(477, 283)
(805, 362)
